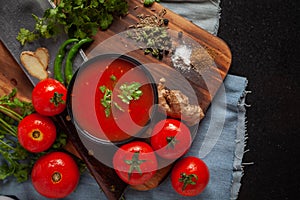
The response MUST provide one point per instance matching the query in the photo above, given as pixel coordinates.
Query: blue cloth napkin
(204, 13)
(220, 143)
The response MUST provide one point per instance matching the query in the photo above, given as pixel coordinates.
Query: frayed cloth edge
(241, 143)
(216, 26)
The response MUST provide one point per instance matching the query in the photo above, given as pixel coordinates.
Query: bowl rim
(126, 58)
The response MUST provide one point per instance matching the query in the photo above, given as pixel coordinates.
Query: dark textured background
(263, 36)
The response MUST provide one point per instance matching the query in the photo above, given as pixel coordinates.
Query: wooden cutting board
(204, 84)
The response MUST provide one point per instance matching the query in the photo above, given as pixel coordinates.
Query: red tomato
(190, 176)
(135, 162)
(170, 138)
(55, 175)
(36, 133)
(49, 97)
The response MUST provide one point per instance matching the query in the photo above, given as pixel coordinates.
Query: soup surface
(112, 99)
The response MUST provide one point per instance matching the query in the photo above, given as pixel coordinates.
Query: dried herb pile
(151, 32)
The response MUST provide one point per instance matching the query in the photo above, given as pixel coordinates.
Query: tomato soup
(112, 98)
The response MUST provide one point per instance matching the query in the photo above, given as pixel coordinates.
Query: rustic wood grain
(12, 76)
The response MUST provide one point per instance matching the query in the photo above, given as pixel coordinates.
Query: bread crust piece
(175, 104)
(33, 65)
(43, 54)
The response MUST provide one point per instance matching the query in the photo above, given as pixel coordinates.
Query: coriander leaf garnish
(130, 92)
(113, 78)
(102, 88)
(127, 93)
(106, 100)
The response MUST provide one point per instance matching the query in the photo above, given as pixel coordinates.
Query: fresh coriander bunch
(15, 161)
(78, 19)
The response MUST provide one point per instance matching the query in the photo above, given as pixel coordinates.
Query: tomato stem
(171, 140)
(134, 163)
(57, 99)
(187, 179)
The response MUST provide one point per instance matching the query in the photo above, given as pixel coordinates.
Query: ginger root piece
(33, 65)
(43, 55)
(175, 104)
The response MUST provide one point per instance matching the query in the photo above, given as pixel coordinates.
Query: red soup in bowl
(112, 98)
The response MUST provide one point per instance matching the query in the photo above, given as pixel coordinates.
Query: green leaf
(5, 171)
(106, 20)
(80, 34)
(25, 35)
(107, 112)
(130, 92)
(148, 2)
(78, 2)
(113, 78)
(60, 141)
(22, 172)
(102, 88)
(94, 3)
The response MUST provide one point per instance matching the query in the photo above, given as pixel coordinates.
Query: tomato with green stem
(36, 133)
(170, 138)
(189, 176)
(49, 97)
(55, 175)
(135, 162)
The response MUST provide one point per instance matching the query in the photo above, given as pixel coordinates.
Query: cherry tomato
(190, 176)
(170, 138)
(55, 175)
(36, 133)
(49, 97)
(135, 162)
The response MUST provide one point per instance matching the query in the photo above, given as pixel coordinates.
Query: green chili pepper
(70, 57)
(59, 59)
